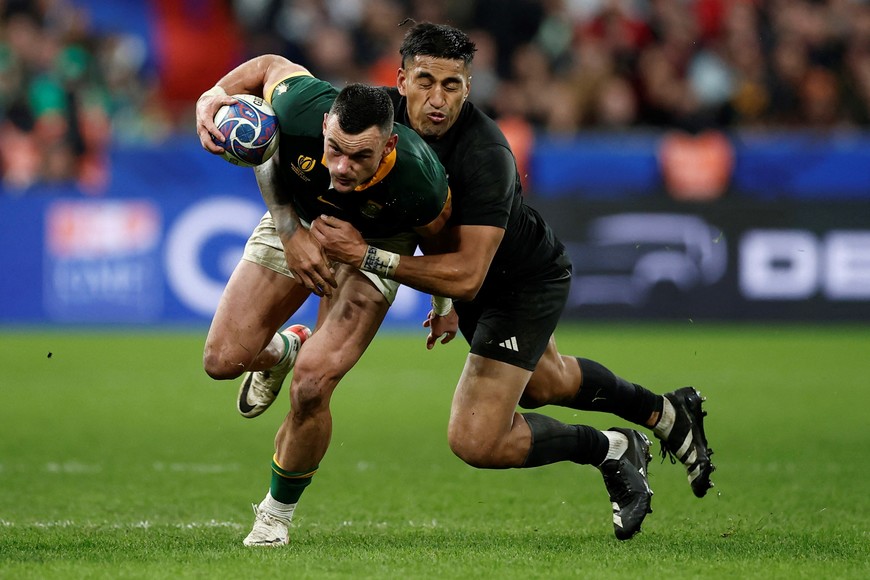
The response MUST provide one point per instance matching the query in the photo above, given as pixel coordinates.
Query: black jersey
(486, 189)
(409, 189)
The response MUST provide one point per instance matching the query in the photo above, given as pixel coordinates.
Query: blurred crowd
(549, 66)
(66, 93)
(569, 65)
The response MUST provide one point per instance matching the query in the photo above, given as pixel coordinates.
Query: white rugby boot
(268, 530)
(260, 388)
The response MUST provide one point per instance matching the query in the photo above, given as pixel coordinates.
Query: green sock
(287, 486)
(286, 352)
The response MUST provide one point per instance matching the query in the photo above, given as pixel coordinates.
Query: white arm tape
(380, 262)
(441, 306)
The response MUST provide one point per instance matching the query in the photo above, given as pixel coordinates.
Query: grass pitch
(119, 458)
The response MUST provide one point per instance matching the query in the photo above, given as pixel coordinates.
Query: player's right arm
(253, 77)
(457, 259)
(304, 256)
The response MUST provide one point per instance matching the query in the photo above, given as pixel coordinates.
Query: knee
(475, 450)
(314, 380)
(222, 365)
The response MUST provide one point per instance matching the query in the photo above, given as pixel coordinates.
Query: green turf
(119, 458)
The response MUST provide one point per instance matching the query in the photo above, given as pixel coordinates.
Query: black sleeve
(488, 187)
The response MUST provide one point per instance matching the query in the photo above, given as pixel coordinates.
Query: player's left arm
(461, 258)
(305, 257)
(458, 258)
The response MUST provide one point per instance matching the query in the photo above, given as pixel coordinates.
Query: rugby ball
(250, 128)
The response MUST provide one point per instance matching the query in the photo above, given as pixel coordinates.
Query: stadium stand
(78, 77)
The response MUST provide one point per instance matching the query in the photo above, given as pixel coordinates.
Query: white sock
(618, 445)
(273, 507)
(283, 344)
(666, 423)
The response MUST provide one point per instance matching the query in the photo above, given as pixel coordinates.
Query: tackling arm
(456, 265)
(458, 270)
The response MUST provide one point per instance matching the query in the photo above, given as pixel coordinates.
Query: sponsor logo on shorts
(510, 344)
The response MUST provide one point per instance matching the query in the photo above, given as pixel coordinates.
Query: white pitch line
(74, 467)
(144, 524)
(196, 467)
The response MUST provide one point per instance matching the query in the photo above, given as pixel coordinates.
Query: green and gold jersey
(408, 190)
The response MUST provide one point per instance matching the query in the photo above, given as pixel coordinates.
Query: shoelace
(265, 517)
(260, 388)
(665, 453)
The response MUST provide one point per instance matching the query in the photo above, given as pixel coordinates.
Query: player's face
(353, 159)
(435, 89)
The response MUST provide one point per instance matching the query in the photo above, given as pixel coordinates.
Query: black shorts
(514, 324)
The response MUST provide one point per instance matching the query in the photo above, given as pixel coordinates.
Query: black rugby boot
(687, 441)
(628, 486)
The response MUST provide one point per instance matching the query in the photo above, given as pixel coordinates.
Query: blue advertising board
(131, 260)
(159, 244)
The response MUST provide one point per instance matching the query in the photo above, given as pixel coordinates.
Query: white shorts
(264, 248)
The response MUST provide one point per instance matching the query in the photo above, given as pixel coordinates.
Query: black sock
(603, 391)
(554, 441)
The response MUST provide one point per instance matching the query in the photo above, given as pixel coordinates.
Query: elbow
(465, 294)
(467, 287)
(267, 60)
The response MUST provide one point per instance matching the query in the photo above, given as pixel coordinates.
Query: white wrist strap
(380, 262)
(441, 306)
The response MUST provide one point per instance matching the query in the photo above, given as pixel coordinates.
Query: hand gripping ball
(250, 128)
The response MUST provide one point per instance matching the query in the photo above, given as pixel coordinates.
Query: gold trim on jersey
(447, 202)
(384, 167)
(299, 73)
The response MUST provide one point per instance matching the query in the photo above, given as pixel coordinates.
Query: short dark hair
(359, 106)
(437, 40)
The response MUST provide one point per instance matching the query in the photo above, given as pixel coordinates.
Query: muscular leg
(346, 325)
(255, 303)
(486, 431)
(555, 381)
(586, 385)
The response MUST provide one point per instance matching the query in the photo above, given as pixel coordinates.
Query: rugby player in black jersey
(509, 276)
(341, 154)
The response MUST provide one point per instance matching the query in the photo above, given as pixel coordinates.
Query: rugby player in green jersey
(339, 154)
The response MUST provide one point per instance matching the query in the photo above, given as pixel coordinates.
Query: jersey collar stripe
(386, 165)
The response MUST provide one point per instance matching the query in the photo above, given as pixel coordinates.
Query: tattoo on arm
(284, 215)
